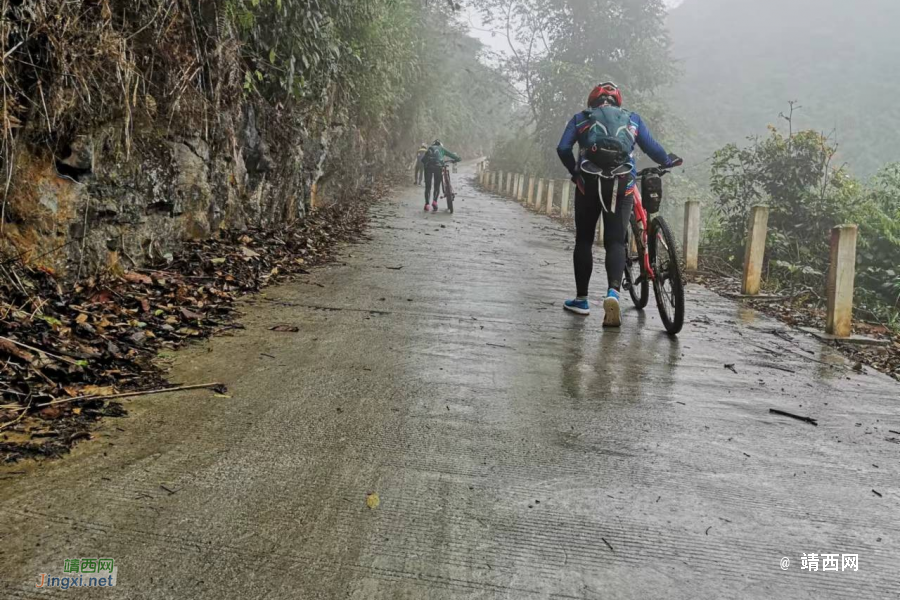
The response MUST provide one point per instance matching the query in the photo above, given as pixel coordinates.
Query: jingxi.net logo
(82, 572)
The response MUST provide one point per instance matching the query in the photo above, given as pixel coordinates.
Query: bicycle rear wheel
(667, 284)
(635, 280)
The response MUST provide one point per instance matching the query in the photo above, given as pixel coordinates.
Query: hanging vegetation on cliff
(131, 125)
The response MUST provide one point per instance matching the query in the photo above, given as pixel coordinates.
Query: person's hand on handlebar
(674, 161)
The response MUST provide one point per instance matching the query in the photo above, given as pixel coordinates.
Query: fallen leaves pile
(104, 335)
(806, 308)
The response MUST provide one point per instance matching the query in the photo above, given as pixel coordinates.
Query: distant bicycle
(651, 253)
(449, 194)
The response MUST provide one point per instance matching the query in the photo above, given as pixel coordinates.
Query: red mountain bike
(651, 253)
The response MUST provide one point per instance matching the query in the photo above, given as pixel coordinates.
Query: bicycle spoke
(670, 296)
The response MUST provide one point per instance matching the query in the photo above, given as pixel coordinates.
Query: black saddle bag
(651, 192)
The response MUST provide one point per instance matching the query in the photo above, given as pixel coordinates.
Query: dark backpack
(433, 157)
(605, 137)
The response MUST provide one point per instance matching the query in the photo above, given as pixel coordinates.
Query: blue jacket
(641, 133)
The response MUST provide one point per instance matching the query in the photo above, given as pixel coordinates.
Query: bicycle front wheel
(448, 192)
(668, 285)
(635, 279)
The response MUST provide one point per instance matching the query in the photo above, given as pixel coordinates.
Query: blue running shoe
(612, 314)
(579, 307)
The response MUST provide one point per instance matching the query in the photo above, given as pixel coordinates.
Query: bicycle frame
(446, 176)
(641, 215)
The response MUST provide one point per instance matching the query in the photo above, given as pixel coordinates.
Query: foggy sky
(498, 42)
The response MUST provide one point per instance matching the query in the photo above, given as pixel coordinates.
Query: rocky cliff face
(105, 204)
(128, 128)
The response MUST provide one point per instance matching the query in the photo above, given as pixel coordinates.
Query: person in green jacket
(434, 167)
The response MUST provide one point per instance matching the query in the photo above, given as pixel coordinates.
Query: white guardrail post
(841, 275)
(566, 198)
(691, 235)
(755, 250)
(550, 186)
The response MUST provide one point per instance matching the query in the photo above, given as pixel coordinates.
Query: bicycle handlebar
(675, 162)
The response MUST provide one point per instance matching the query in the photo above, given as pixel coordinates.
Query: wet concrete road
(518, 451)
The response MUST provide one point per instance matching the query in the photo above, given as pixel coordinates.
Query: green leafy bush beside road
(795, 175)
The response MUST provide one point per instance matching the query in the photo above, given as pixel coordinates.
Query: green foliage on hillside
(382, 75)
(301, 50)
(401, 65)
(742, 60)
(392, 64)
(795, 174)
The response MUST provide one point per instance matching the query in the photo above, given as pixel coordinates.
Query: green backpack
(433, 157)
(605, 137)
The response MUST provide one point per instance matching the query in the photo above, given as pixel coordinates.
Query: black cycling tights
(587, 211)
(434, 176)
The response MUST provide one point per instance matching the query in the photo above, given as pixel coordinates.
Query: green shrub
(807, 196)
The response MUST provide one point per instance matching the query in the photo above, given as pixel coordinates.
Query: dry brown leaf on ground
(133, 277)
(102, 333)
(98, 390)
(189, 314)
(13, 350)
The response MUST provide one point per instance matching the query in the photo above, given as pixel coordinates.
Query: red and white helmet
(607, 89)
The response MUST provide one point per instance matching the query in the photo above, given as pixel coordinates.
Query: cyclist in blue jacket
(588, 209)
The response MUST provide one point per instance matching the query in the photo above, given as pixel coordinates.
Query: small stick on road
(180, 388)
(809, 420)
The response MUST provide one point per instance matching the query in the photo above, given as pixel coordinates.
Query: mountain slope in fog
(744, 59)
